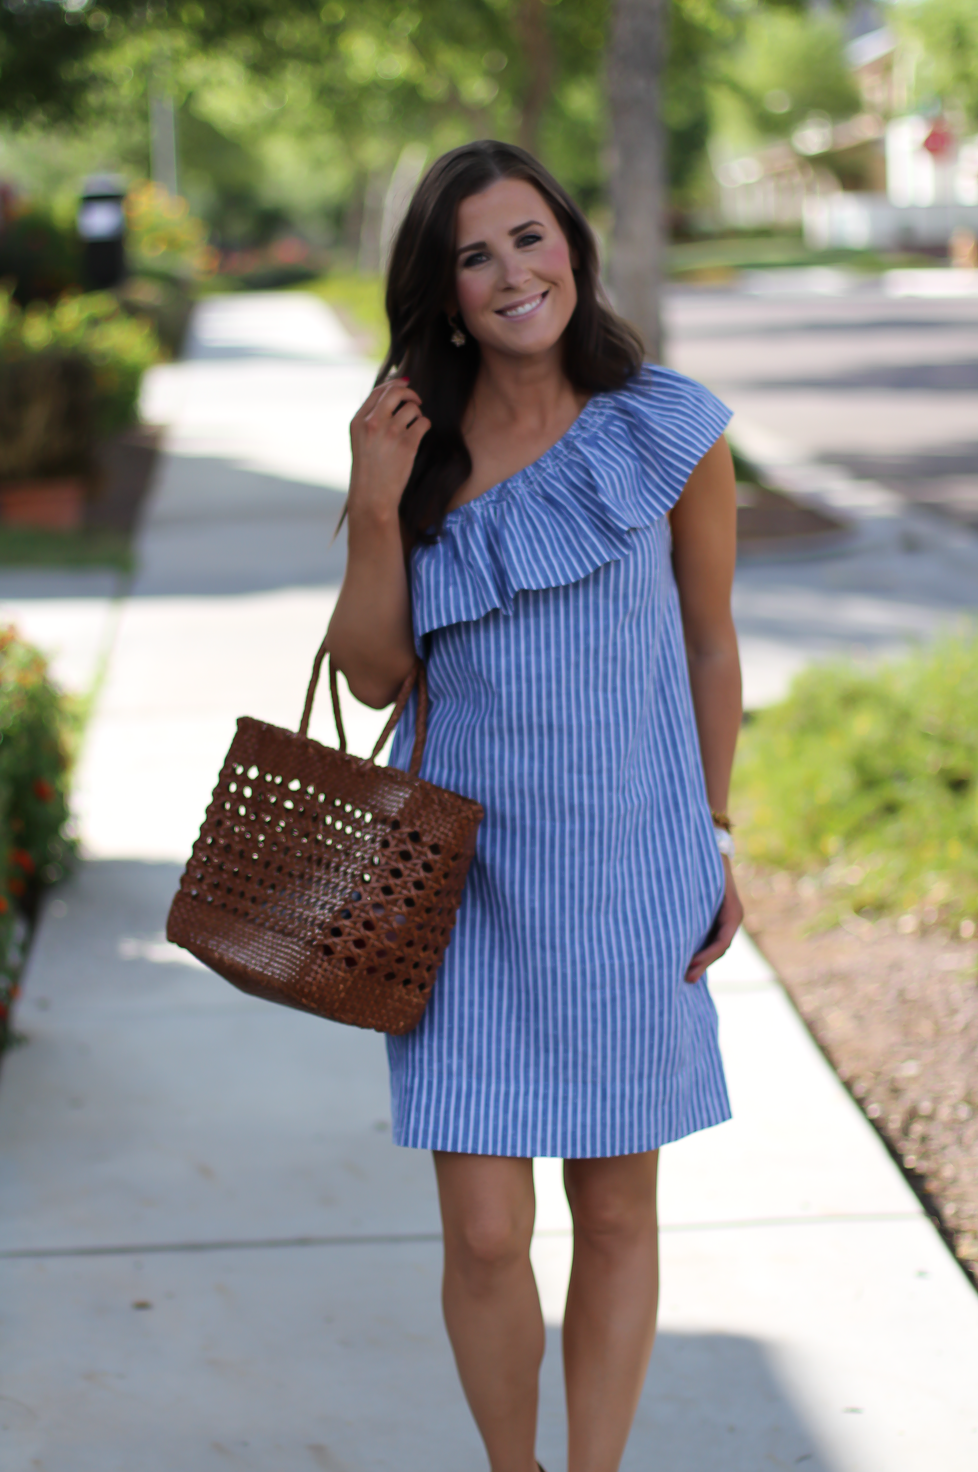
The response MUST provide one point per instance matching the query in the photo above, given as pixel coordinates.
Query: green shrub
(161, 233)
(35, 731)
(869, 779)
(46, 415)
(92, 328)
(39, 257)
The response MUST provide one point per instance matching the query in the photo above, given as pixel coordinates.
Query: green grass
(721, 258)
(868, 780)
(34, 547)
(359, 303)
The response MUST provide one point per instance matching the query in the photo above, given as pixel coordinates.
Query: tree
(635, 66)
(946, 33)
(789, 66)
(44, 48)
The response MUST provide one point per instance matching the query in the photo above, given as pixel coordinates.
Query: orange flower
(4, 907)
(43, 791)
(22, 859)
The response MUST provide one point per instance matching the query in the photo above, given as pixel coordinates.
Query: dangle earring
(458, 336)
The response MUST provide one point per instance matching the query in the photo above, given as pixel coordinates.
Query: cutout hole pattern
(323, 882)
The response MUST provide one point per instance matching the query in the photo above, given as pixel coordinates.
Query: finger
(718, 945)
(405, 415)
(371, 401)
(377, 395)
(712, 952)
(394, 397)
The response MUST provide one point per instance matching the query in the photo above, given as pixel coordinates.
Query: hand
(385, 434)
(725, 928)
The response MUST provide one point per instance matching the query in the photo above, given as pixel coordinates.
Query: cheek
(474, 291)
(554, 262)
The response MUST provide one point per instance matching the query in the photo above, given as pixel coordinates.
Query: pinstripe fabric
(549, 617)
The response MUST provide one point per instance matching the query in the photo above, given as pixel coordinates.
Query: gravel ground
(896, 1013)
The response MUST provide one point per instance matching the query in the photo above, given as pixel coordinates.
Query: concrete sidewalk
(211, 1254)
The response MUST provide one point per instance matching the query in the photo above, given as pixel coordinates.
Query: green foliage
(870, 779)
(118, 347)
(789, 66)
(44, 48)
(701, 33)
(946, 31)
(36, 729)
(359, 303)
(162, 235)
(290, 113)
(39, 256)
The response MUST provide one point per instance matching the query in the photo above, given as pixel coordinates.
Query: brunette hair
(600, 350)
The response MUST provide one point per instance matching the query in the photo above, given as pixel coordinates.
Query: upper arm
(704, 536)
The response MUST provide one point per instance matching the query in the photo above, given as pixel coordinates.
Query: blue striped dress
(548, 615)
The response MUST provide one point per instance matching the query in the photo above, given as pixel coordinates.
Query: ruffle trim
(622, 465)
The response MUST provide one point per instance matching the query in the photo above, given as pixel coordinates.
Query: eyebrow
(516, 230)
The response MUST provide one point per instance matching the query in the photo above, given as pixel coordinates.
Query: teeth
(522, 310)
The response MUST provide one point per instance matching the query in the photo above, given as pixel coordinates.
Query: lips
(526, 308)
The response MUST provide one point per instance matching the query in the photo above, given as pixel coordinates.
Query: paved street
(210, 1254)
(885, 386)
(865, 405)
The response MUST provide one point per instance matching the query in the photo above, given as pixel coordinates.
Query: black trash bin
(102, 227)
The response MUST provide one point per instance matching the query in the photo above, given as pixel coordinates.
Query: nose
(516, 270)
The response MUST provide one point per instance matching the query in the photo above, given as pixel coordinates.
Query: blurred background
(261, 144)
(153, 154)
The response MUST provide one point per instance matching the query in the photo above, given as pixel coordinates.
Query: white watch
(725, 842)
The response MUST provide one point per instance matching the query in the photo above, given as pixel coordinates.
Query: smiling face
(514, 280)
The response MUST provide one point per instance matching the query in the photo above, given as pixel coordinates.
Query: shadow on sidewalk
(219, 528)
(719, 1401)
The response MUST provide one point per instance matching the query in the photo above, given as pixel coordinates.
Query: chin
(541, 340)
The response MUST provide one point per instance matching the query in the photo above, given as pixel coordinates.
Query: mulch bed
(896, 1014)
(768, 515)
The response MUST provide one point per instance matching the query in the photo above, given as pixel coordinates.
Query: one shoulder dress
(548, 616)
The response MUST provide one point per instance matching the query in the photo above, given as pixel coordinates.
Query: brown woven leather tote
(323, 881)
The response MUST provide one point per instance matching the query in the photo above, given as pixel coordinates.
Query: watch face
(101, 219)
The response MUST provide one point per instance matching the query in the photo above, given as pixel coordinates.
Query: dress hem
(551, 1152)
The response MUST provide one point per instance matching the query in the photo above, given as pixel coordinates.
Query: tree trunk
(636, 59)
(538, 62)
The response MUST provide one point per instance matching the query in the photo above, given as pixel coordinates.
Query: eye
(532, 237)
(475, 259)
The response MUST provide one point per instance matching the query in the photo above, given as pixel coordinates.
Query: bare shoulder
(704, 539)
(705, 515)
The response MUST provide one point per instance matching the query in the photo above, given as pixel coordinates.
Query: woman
(552, 526)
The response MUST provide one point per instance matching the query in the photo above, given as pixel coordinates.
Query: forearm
(369, 634)
(714, 676)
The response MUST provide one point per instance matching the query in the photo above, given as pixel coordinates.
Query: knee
(610, 1222)
(485, 1244)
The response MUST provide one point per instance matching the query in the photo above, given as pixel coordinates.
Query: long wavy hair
(601, 351)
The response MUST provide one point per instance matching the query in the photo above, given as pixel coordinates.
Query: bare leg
(492, 1310)
(609, 1322)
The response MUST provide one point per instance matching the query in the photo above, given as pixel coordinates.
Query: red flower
(43, 790)
(4, 907)
(22, 859)
(17, 887)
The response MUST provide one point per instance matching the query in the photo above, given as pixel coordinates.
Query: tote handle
(416, 676)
